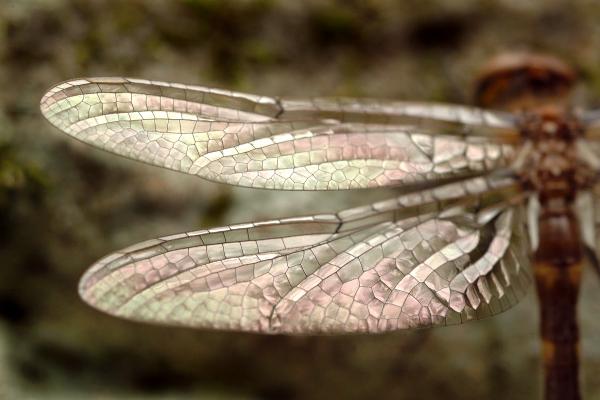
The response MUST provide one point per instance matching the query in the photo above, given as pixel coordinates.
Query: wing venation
(266, 142)
(436, 257)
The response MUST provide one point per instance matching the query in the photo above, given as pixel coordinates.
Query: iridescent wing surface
(436, 257)
(267, 142)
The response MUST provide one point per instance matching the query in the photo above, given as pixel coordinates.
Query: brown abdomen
(557, 269)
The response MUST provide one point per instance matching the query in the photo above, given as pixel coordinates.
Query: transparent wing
(264, 142)
(437, 257)
(588, 214)
(591, 121)
(588, 152)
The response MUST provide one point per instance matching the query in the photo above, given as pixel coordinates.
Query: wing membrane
(265, 142)
(591, 122)
(436, 257)
(589, 219)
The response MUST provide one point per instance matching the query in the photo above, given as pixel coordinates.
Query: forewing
(436, 257)
(265, 142)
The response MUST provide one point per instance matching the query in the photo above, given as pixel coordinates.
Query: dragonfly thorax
(553, 168)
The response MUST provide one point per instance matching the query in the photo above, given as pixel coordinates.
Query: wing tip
(56, 93)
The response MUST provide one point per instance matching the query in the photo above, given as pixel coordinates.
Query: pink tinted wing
(437, 257)
(265, 142)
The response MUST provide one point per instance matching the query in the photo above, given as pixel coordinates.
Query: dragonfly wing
(436, 257)
(588, 215)
(450, 118)
(454, 273)
(591, 123)
(264, 142)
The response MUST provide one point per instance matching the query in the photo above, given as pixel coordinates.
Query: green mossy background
(63, 205)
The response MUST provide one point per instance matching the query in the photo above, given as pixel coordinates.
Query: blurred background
(63, 205)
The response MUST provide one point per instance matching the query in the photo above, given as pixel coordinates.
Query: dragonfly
(490, 199)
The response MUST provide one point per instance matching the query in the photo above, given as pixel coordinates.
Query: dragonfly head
(521, 81)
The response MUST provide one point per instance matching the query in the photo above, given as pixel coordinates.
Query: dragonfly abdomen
(557, 271)
(556, 174)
